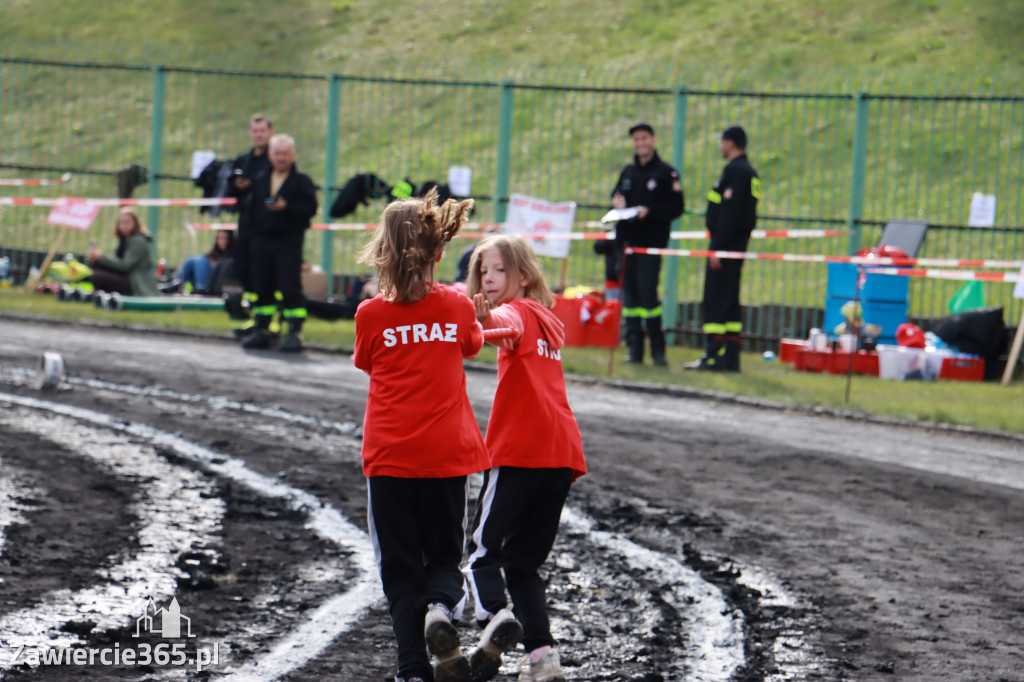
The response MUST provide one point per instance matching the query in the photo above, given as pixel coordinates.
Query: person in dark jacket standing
(731, 217)
(249, 168)
(284, 203)
(654, 188)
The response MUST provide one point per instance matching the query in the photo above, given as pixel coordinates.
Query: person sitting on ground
(130, 271)
(202, 274)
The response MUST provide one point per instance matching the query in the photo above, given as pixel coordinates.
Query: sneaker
(443, 642)
(545, 669)
(502, 634)
(705, 364)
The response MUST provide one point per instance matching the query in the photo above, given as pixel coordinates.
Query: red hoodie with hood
(531, 424)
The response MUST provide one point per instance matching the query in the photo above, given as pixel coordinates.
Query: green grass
(924, 158)
(981, 405)
(789, 33)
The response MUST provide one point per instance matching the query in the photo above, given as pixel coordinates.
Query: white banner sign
(537, 216)
(1018, 290)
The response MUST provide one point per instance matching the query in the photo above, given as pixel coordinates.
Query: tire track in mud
(713, 645)
(173, 511)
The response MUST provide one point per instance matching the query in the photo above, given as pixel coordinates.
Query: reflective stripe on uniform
(267, 310)
(755, 188)
(736, 327)
(714, 328)
(294, 313)
(714, 197)
(642, 313)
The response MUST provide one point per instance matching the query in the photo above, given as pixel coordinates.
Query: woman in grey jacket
(130, 271)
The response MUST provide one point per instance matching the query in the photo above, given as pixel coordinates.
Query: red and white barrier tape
(34, 182)
(819, 258)
(477, 231)
(978, 275)
(61, 201)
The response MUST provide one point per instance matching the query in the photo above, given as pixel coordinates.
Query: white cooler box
(902, 363)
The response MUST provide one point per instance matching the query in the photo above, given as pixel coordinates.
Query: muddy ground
(819, 547)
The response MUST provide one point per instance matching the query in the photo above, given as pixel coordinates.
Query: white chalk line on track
(714, 632)
(174, 513)
(14, 492)
(321, 626)
(21, 376)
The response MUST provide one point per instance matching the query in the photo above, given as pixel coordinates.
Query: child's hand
(483, 308)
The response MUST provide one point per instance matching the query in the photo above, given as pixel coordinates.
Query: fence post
(504, 153)
(156, 148)
(670, 307)
(330, 176)
(860, 152)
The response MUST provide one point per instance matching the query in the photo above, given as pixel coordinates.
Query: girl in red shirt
(536, 453)
(420, 437)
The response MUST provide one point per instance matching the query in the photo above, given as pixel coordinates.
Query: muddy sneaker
(545, 669)
(501, 634)
(443, 642)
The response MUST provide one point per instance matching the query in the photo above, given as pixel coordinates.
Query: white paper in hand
(617, 214)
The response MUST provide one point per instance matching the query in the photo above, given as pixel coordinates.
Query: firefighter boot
(714, 355)
(635, 346)
(260, 337)
(731, 359)
(657, 338)
(292, 343)
(236, 306)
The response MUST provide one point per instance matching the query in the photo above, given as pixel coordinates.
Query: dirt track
(843, 550)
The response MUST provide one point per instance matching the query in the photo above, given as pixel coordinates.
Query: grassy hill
(924, 159)
(313, 34)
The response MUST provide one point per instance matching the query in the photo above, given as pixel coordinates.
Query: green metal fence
(835, 149)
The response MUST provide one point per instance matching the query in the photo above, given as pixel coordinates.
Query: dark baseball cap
(641, 125)
(737, 135)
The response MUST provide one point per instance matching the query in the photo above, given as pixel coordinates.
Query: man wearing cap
(654, 188)
(731, 216)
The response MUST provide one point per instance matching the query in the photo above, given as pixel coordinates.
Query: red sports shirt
(531, 424)
(419, 423)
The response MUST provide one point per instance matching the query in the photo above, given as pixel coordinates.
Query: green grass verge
(980, 405)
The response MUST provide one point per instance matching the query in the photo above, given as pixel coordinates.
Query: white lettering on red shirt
(419, 334)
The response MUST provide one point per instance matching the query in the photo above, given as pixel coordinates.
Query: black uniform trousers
(514, 528)
(277, 267)
(418, 530)
(640, 304)
(242, 258)
(722, 297)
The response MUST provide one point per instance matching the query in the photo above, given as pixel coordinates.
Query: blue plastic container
(842, 283)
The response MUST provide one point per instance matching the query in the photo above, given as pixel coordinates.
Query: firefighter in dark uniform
(249, 168)
(285, 202)
(731, 217)
(654, 188)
